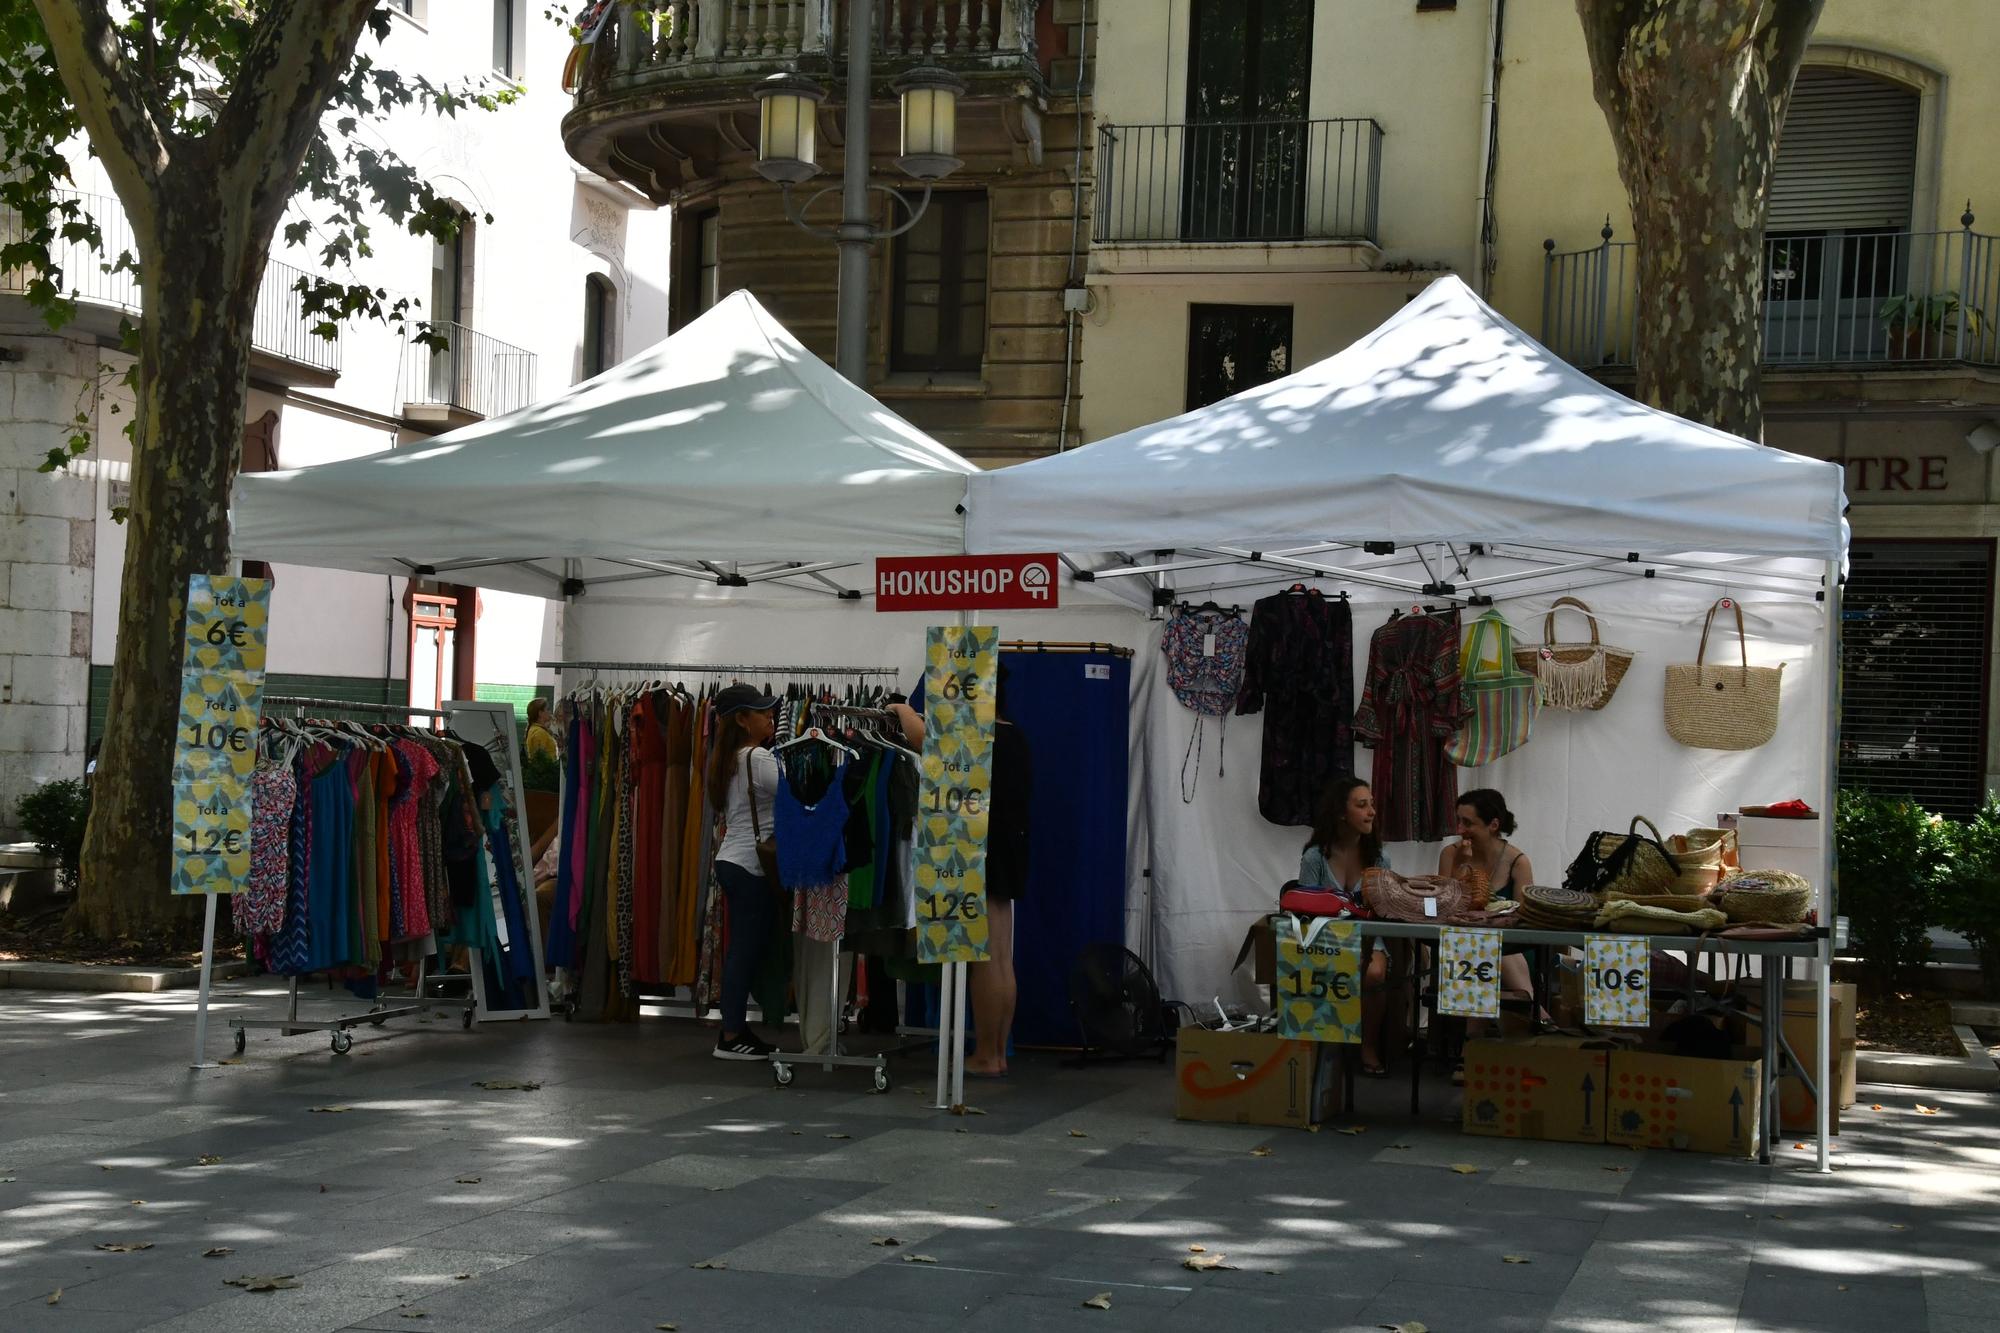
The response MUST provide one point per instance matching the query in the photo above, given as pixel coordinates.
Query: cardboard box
(1254, 1078)
(1662, 1100)
(1541, 1088)
(1259, 942)
(1797, 1110)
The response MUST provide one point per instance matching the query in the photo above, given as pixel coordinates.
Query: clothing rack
(1037, 646)
(382, 1011)
(711, 669)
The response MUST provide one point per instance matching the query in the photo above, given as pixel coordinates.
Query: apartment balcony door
(433, 648)
(1244, 150)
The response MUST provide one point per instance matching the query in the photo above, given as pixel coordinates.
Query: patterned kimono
(1409, 708)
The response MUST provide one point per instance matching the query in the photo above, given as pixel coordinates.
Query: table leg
(1767, 1028)
(1416, 1020)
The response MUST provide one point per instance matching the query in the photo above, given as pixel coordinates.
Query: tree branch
(109, 97)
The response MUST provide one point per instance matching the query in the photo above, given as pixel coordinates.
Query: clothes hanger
(817, 734)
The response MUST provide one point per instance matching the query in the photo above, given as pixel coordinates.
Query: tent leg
(1829, 862)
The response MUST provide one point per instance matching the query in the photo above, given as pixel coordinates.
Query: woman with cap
(742, 783)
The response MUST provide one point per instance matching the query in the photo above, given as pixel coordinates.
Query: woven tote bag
(1500, 698)
(1722, 707)
(1580, 676)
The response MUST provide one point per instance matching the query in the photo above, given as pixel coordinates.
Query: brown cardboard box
(1540, 1088)
(1662, 1100)
(1261, 942)
(1254, 1078)
(1797, 1110)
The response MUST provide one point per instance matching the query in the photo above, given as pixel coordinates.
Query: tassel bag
(1722, 707)
(1579, 676)
(1500, 698)
(1629, 863)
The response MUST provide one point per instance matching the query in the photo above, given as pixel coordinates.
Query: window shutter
(1847, 156)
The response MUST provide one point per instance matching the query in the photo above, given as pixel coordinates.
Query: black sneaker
(743, 1047)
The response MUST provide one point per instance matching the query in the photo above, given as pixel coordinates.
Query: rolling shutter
(1847, 156)
(1913, 655)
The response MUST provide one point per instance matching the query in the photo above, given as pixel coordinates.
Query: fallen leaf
(1840, 1288)
(1400, 1147)
(1614, 1168)
(55, 1296)
(1799, 1147)
(1260, 1152)
(219, 1252)
(505, 1085)
(414, 1314)
(269, 1282)
(1270, 1272)
(1876, 1107)
(1078, 1134)
(1355, 1129)
(230, 1061)
(1779, 1216)
(1515, 1259)
(1197, 1249)
(885, 1241)
(461, 1277)
(1465, 1168)
(208, 1159)
(328, 1110)
(918, 1259)
(715, 1189)
(1407, 1326)
(1205, 1263)
(1926, 1110)
(667, 1328)
(107, 1168)
(961, 1130)
(468, 1180)
(124, 1246)
(797, 1132)
(322, 1189)
(1101, 1301)
(1897, 1226)
(138, 1203)
(840, 1136)
(710, 1263)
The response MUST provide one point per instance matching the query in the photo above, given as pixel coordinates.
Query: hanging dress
(1409, 708)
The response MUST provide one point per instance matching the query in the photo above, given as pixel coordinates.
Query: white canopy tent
(727, 452)
(1448, 458)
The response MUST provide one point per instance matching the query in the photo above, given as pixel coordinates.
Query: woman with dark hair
(1484, 825)
(1342, 848)
(742, 784)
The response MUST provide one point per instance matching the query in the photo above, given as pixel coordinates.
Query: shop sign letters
(1617, 978)
(215, 745)
(966, 583)
(1469, 973)
(955, 797)
(1319, 979)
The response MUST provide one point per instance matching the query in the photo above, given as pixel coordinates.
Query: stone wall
(47, 555)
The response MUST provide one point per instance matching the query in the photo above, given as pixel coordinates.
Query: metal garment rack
(397, 1007)
(782, 1062)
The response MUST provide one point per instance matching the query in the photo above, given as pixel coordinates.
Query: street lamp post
(789, 106)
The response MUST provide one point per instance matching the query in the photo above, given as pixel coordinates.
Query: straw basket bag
(1581, 676)
(1765, 898)
(1704, 855)
(1628, 861)
(1719, 707)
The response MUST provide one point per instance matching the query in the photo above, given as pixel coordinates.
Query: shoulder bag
(767, 848)
(1715, 708)
(1628, 862)
(1500, 698)
(1574, 675)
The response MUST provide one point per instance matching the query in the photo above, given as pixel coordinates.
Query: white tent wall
(1217, 864)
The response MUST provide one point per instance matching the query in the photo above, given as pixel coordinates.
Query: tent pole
(1829, 866)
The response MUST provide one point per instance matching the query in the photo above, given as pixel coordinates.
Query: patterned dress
(1409, 708)
(1299, 672)
(260, 908)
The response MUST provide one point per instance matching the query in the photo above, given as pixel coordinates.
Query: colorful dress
(1409, 708)
(260, 908)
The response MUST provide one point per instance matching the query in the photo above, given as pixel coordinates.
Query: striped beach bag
(1500, 698)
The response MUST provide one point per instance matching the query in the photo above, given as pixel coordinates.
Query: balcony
(472, 377)
(1237, 196)
(665, 94)
(1916, 306)
(284, 349)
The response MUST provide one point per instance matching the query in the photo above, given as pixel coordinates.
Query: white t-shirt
(739, 841)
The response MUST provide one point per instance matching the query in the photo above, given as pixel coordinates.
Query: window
(508, 38)
(1235, 347)
(938, 308)
(600, 307)
(1244, 148)
(697, 266)
(1913, 624)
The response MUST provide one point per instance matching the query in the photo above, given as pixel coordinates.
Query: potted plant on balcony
(1918, 325)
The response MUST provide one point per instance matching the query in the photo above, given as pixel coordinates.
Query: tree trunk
(194, 365)
(1695, 92)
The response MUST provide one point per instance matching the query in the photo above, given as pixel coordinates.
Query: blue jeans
(751, 903)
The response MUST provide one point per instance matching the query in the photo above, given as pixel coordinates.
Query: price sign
(1318, 979)
(1617, 981)
(1469, 973)
(961, 666)
(215, 742)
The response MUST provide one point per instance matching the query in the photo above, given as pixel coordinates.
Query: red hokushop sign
(965, 583)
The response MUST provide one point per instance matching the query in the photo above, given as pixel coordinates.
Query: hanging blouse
(1205, 658)
(812, 839)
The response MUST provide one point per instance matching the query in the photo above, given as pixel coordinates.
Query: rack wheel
(343, 1042)
(781, 1073)
(242, 1040)
(881, 1078)
(466, 1021)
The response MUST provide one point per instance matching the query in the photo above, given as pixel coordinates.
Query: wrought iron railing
(702, 37)
(1829, 298)
(281, 328)
(473, 372)
(1268, 180)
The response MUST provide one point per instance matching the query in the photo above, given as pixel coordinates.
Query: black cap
(738, 698)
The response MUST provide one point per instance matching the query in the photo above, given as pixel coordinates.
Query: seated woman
(1342, 846)
(1484, 825)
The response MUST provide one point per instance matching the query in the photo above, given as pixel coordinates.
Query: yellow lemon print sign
(960, 670)
(1318, 979)
(215, 745)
